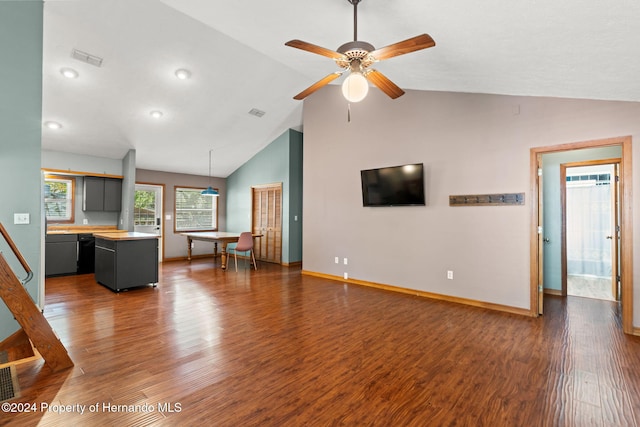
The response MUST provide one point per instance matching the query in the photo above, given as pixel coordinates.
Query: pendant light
(210, 191)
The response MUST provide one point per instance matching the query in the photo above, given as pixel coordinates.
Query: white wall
(470, 144)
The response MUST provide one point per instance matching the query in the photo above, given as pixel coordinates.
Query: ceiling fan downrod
(355, 18)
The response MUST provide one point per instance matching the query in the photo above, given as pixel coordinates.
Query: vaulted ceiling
(238, 62)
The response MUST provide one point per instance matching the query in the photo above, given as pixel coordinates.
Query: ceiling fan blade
(384, 84)
(422, 41)
(299, 44)
(314, 87)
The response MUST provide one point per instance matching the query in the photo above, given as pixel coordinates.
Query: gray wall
(280, 161)
(175, 245)
(470, 144)
(81, 163)
(295, 214)
(552, 209)
(128, 191)
(20, 139)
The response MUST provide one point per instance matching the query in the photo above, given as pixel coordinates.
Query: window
(58, 198)
(144, 212)
(195, 212)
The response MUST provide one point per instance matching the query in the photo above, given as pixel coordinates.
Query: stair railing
(17, 254)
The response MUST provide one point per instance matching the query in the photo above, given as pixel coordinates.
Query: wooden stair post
(27, 314)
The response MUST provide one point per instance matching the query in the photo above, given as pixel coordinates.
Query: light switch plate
(21, 218)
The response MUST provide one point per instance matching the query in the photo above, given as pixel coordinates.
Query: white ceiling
(236, 53)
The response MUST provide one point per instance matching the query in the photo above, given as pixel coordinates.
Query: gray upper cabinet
(102, 194)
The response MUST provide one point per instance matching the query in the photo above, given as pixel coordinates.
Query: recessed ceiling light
(183, 74)
(156, 114)
(53, 125)
(69, 73)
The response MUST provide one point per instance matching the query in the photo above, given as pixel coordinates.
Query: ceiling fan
(357, 56)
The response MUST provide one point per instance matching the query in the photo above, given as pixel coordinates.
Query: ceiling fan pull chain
(348, 112)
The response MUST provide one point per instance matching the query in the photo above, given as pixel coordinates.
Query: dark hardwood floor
(274, 348)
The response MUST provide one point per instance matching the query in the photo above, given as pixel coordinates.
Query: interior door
(267, 220)
(540, 238)
(147, 217)
(615, 233)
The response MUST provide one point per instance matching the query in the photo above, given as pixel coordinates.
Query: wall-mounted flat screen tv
(393, 186)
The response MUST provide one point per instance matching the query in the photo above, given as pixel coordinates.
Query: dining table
(216, 237)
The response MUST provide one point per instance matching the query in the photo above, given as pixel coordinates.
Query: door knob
(609, 237)
(546, 240)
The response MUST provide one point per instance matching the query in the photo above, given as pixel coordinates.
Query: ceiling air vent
(86, 57)
(256, 112)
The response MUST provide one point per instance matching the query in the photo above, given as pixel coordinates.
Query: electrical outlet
(346, 275)
(337, 260)
(345, 261)
(450, 275)
(21, 218)
(85, 221)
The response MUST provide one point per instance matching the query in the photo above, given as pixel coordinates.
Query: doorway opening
(590, 229)
(539, 243)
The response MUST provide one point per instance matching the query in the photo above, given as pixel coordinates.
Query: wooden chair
(245, 244)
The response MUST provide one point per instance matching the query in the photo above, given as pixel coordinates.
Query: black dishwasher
(86, 253)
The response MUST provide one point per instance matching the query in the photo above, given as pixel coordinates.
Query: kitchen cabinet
(61, 254)
(126, 260)
(102, 194)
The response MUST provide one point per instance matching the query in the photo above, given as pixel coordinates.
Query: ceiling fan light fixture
(359, 55)
(355, 87)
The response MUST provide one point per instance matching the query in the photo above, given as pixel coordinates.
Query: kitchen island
(126, 260)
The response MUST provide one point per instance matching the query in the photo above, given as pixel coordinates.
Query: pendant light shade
(355, 87)
(210, 191)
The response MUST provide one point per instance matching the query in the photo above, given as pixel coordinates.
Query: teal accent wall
(279, 162)
(20, 140)
(552, 206)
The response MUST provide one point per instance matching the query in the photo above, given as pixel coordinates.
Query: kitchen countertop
(124, 235)
(83, 229)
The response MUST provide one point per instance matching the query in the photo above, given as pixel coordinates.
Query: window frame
(70, 219)
(215, 205)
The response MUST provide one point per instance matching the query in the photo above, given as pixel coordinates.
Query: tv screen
(393, 186)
